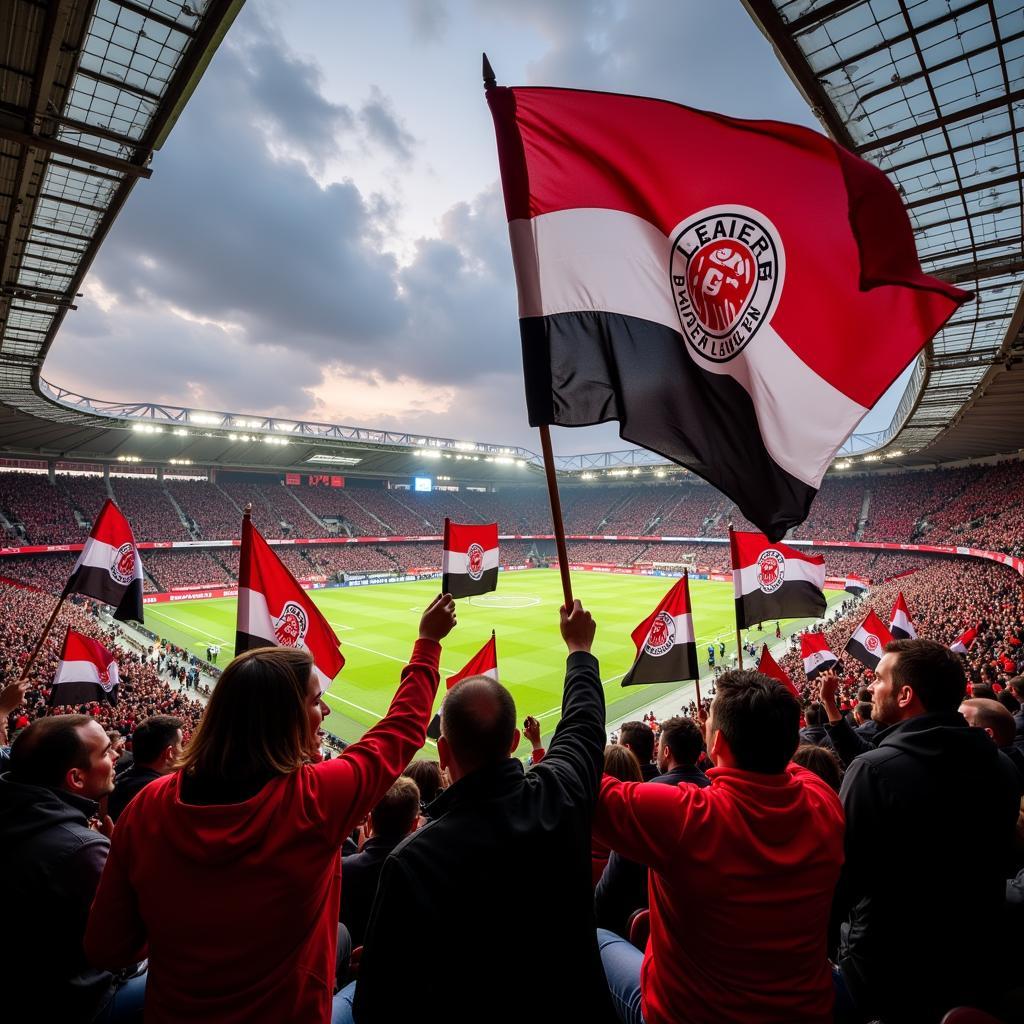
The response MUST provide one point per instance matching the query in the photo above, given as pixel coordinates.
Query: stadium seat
(640, 928)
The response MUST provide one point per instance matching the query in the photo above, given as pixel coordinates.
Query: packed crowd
(188, 569)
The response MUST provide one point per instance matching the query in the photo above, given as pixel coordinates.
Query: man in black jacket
(156, 745)
(933, 796)
(639, 737)
(814, 731)
(500, 845)
(52, 852)
(679, 747)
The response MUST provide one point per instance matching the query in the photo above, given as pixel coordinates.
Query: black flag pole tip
(489, 80)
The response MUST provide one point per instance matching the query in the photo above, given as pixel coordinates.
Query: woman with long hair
(226, 874)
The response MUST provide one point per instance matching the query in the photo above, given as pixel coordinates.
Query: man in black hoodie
(932, 797)
(156, 745)
(52, 852)
(500, 844)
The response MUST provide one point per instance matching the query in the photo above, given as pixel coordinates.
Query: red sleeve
(538, 755)
(115, 935)
(348, 786)
(645, 823)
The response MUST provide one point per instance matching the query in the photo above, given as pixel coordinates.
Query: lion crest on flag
(291, 625)
(771, 570)
(662, 636)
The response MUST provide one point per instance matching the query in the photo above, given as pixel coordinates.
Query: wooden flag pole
(556, 513)
(739, 642)
(42, 639)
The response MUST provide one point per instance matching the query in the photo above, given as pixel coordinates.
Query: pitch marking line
(367, 711)
(191, 628)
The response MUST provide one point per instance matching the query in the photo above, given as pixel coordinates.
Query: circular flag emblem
(771, 570)
(122, 564)
(475, 561)
(662, 636)
(106, 683)
(871, 642)
(290, 627)
(726, 274)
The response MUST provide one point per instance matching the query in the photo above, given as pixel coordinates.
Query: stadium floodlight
(232, 437)
(180, 432)
(429, 454)
(335, 460)
(588, 476)
(207, 419)
(872, 458)
(660, 474)
(128, 458)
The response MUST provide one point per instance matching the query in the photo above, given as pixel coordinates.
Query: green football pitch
(377, 626)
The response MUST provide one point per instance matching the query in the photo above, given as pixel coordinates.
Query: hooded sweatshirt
(50, 861)
(238, 903)
(741, 882)
(930, 816)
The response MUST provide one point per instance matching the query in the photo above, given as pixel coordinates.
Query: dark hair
(990, 714)
(153, 736)
(396, 810)
(864, 710)
(863, 695)
(46, 750)
(640, 738)
(822, 761)
(478, 719)
(681, 735)
(814, 714)
(983, 690)
(427, 776)
(1007, 699)
(759, 718)
(621, 763)
(931, 670)
(256, 725)
(1017, 685)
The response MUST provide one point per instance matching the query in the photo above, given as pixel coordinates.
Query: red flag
(868, 642)
(901, 627)
(274, 611)
(713, 284)
(963, 642)
(87, 671)
(774, 581)
(666, 651)
(483, 663)
(816, 655)
(770, 667)
(109, 568)
(469, 564)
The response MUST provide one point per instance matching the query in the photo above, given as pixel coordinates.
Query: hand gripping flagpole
(545, 446)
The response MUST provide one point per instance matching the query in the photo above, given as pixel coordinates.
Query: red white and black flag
(87, 671)
(673, 277)
(770, 667)
(470, 562)
(816, 656)
(274, 611)
(109, 568)
(963, 642)
(666, 651)
(483, 663)
(868, 642)
(856, 584)
(774, 581)
(901, 627)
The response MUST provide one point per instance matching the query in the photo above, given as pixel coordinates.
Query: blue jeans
(621, 961)
(341, 1011)
(126, 1005)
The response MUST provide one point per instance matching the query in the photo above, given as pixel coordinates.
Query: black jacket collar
(483, 784)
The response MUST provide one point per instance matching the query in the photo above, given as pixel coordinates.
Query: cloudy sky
(323, 235)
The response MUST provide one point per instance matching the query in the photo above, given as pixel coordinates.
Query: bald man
(998, 722)
(501, 870)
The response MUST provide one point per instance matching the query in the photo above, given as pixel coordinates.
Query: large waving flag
(666, 651)
(901, 627)
(715, 285)
(963, 642)
(109, 568)
(816, 655)
(87, 671)
(856, 584)
(868, 642)
(770, 667)
(483, 663)
(274, 611)
(469, 564)
(774, 581)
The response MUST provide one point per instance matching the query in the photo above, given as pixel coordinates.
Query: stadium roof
(932, 92)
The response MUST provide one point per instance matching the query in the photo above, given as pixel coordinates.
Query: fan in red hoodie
(229, 879)
(741, 874)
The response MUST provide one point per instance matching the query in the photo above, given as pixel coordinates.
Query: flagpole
(739, 644)
(556, 513)
(42, 639)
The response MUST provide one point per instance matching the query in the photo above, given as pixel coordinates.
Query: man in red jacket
(741, 874)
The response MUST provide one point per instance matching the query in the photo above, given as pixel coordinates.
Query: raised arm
(846, 742)
(350, 785)
(575, 756)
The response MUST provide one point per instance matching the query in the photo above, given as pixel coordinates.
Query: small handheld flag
(483, 663)
(856, 584)
(868, 642)
(274, 611)
(901, 627)
(109, 568)
(665, 648)
(816, 656)
(963, 642)
(87, 672)
(774, 581)
(469, 564)
(770, 667)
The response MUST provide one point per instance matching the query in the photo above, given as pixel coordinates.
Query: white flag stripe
(616, 262)
(84, 672)
(746, 578)
(97, 554)
(902, 622)
(683, 629)
(458, 561)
